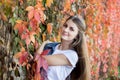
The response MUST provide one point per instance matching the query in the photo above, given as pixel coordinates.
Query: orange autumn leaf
(43, 37)
(37, 76)
(30, 14)
(21, 2)
(49, 28)
(19, 54)
(21, 26)
(39, 6)
(22, 49)
(19, 21)
(39, 12)
(49, 2)
(38, 30)
(3, 16)
(29, 8)
(32, 38)
(28, 37)
(67, 5)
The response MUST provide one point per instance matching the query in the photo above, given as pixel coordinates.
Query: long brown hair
(82, 69)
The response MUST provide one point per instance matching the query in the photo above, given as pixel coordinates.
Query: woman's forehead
(71, 23)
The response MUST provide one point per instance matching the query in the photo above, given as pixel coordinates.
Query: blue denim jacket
(51, 46)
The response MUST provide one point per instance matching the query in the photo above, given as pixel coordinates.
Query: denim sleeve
(50, 46)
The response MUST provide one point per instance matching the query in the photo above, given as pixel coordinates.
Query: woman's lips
(64, 34)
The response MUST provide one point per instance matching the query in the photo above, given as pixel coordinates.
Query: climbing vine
(34, 21)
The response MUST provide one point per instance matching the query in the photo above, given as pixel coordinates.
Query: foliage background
(27, 23)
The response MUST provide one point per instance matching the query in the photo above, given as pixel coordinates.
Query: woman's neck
(65, 45)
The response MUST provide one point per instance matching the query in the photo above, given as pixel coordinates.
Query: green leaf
(17, 40)
(44, 2)
(16, 32)
(29, 28)
(17, 72)
(8, 11)
(12, 21)
(31, 48)
(42, 27)
(119, 71)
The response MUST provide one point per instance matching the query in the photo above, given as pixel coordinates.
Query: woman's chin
(64, 38)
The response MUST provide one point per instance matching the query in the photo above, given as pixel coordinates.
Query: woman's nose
(66, 29)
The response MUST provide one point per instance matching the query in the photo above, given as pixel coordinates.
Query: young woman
(69, 60)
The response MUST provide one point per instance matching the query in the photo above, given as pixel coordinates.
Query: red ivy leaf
(45, 52)
(23, 58)
(37, 16)
(41, 62)
(39, 65)
(26, 38)
(37, 76)
(36, 44)
(27, 41)
(30, 14)
(72, 1)
(36, 57)
(19, 54)
(33, 24)
(44, 64)
(21, 26)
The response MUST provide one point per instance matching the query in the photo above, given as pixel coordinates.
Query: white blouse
(61, 72)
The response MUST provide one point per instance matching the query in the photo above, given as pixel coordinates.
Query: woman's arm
(57, 60)
(53, 60)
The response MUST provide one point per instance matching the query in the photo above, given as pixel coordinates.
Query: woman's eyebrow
(65, 24)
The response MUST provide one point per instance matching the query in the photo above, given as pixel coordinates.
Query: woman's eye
(65, 25)
(71, 29)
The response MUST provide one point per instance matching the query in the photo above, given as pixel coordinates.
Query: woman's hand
(40, 50)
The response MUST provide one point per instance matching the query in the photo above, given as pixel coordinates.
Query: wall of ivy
(25, 24)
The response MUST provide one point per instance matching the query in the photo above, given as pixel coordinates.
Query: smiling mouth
(64, 34)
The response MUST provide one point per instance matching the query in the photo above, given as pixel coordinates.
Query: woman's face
(69, 31)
